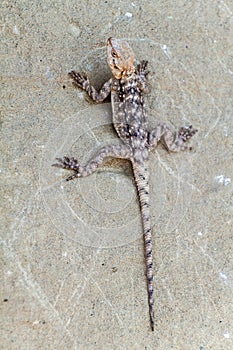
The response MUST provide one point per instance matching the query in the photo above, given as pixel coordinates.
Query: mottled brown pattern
(129, 119)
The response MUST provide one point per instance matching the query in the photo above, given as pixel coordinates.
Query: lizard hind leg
(173, 141)
(115, 151)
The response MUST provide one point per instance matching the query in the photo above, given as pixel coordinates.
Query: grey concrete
(73, 264)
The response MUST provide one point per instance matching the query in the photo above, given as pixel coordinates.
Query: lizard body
(129, 118)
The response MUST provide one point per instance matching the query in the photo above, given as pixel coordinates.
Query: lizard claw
(67, 163)
(185, 133)
(79, 80)
(142, 68)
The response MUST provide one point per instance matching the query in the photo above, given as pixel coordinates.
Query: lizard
(127, 86)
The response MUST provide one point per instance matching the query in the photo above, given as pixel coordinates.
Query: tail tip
(152, 322)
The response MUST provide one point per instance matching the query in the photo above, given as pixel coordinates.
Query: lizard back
(129, 117)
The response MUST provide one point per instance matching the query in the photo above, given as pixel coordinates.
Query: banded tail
(141, 178)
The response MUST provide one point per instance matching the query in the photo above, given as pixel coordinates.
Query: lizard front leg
(173, 141)
(142, 73)
(115, 151)
(82, 81)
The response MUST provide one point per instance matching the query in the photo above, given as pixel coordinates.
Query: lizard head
(120, 58)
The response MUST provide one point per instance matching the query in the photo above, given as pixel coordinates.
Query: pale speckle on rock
(129, 15)
(15, 30)
(226, 335)
(74, 30)
(223, 180)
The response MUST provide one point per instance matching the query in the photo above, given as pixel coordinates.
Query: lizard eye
(114, 54)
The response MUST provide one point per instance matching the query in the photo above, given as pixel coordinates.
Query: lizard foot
(185, 133)
(142, 68)
(69, 164)
(80, 80)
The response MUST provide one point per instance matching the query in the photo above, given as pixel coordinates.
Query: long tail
(141, 177)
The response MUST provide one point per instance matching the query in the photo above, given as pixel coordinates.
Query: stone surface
(73, 259)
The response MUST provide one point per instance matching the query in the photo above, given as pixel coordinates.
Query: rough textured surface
(72, 294)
